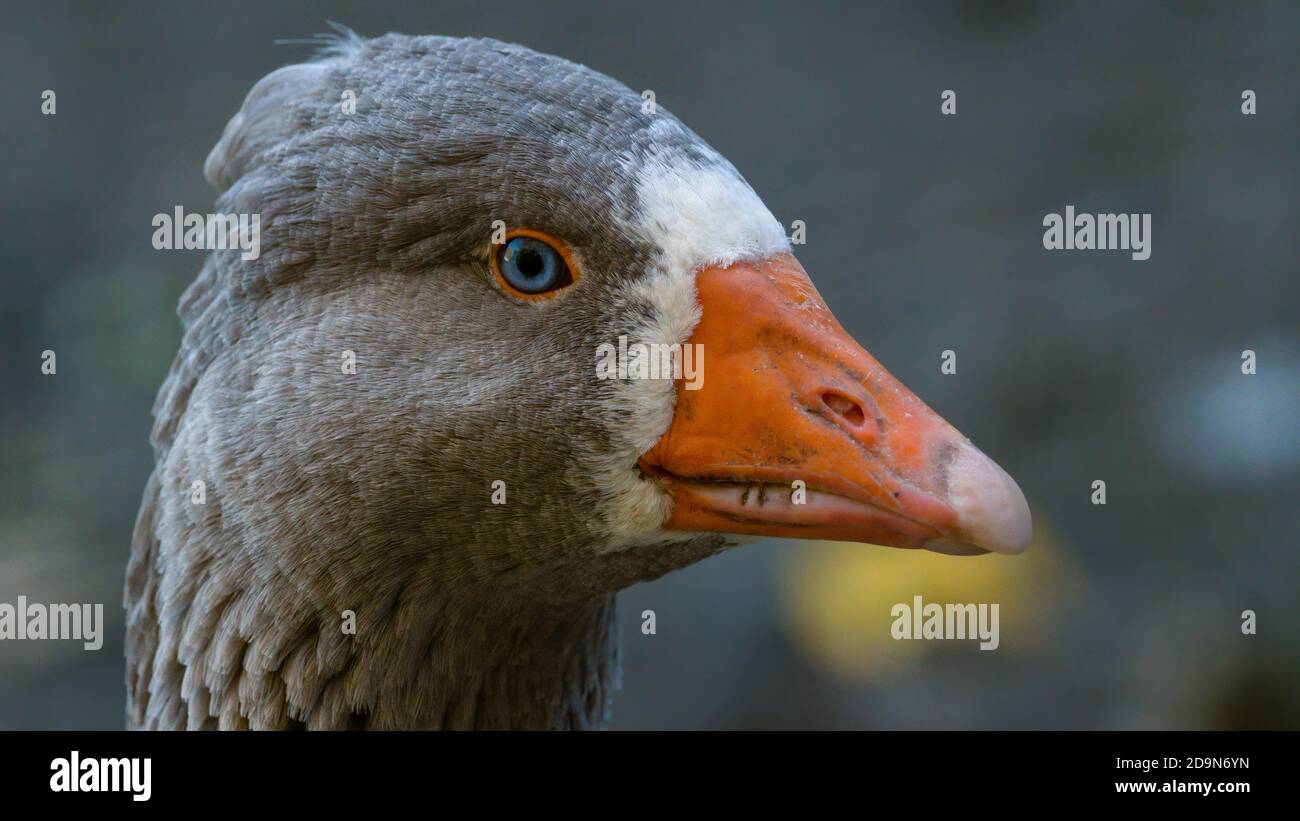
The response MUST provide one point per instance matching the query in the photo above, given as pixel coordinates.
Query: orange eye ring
(571, 274)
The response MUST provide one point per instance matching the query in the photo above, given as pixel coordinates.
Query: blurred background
(924, 234)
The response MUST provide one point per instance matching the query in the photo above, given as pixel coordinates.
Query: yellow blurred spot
(837, 598)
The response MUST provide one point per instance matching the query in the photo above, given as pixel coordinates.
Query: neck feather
(214, 641)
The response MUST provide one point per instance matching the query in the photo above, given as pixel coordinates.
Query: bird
(393, 487)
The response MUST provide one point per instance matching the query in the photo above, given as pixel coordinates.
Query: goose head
(403, 408)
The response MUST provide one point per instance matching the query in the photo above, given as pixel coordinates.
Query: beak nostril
(845, 407)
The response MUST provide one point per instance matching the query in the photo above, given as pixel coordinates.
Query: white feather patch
(639, 507)
(699, 217)
(702, 216)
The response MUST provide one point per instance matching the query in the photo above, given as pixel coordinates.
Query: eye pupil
(532, 266)
(530, 262)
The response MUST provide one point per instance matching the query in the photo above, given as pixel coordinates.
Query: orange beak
(796, 431)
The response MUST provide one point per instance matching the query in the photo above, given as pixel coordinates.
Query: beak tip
(992, 511)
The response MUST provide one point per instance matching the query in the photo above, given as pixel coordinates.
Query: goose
(391, 489)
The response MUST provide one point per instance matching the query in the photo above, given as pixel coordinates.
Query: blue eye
(532, 266)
